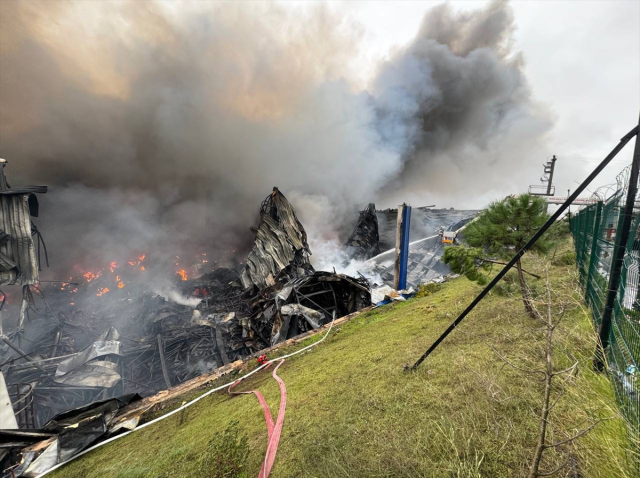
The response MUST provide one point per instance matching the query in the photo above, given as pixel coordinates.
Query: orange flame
(90, 276)
(120, 283)
(138, 262)
(102, 291)
(183, 274)
(112, 266)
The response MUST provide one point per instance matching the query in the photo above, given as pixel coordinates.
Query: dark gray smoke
(160, 126)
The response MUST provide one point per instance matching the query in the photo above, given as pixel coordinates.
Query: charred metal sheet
(305, 303)
(364, 240)
(74, 431)
(18, 258)
(280, 242)
(20, 249)
(97, 373)
(7, 416)
(45, 460)
(107, 346)
(313, 316)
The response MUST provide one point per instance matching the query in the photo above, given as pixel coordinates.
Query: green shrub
(226, 455)
(428, 289)
(565, 259)
(505, 289)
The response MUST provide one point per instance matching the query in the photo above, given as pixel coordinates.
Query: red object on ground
(262, 359)
(273, 430)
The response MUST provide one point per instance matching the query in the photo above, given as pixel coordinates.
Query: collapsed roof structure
(66, 362)
(425, 252)
(280, 243)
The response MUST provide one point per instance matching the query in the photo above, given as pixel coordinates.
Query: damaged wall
(281, 242)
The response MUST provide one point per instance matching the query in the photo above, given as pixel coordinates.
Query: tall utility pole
(547, 177)
(548, 169)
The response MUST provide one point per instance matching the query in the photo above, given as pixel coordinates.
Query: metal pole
(6, 340)
(553, 165)
(403, 225)
(396, 262)
(404, 247)
(622, 236)
(623, 141)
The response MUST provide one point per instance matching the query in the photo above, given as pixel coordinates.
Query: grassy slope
(352, 411)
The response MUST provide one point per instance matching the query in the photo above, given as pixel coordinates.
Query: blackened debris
(280, 241)
(58, 362)
(364, 241)
(286, 310)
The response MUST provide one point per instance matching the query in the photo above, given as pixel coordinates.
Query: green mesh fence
(594, 232)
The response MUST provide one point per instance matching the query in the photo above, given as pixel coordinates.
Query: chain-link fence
(594, 231)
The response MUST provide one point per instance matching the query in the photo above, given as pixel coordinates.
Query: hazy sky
(160, 122)
(582, 59)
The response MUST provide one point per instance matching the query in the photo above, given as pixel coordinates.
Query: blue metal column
(404, 246)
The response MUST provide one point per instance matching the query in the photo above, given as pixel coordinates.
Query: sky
(582, 59)
(162, 124)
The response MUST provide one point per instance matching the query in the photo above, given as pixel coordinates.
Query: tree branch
(504, 264)
(578, 435)
(525, 370)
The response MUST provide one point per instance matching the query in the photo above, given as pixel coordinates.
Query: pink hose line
(273, 430)
(192, 402)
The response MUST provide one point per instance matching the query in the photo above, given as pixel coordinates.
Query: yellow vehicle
(449, 237)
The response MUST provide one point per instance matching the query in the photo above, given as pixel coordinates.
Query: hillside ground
(354, 412)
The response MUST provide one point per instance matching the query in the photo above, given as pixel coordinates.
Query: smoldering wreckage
(65, 378)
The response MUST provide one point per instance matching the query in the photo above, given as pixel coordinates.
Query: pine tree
(505, 226)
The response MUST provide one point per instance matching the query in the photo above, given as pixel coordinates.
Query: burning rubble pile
(70, 370)
(57, 361)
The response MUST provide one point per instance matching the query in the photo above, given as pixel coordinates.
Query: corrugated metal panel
(280, 241)
(15, 221)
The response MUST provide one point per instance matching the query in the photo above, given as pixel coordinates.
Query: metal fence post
(622, 236)
(585, 229)
(594, 248)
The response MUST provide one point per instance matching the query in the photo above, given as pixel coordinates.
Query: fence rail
(594, 230)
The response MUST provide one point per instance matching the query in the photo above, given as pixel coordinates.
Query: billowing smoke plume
(159, 126)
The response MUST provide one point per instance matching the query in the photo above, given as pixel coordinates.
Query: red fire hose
(273, 430)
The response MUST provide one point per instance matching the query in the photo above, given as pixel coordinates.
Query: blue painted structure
(404, 246)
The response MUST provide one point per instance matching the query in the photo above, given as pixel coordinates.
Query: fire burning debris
(63, 360)
(183, 274)
(91, 276)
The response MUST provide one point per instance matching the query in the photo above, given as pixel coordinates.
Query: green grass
(353, 412)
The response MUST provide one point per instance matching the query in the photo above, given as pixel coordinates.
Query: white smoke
(161, 126)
